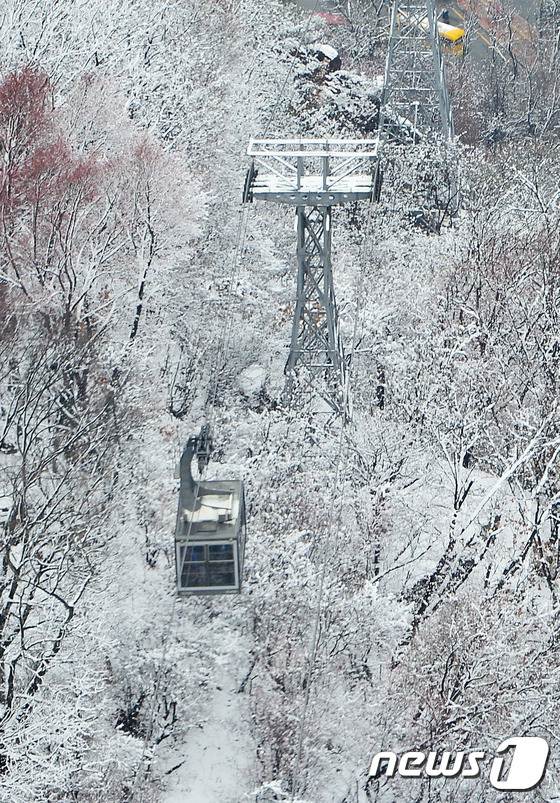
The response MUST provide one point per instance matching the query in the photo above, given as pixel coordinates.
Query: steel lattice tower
(313, 176)
(415, 88)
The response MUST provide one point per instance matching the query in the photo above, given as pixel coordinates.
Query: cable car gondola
(211, 527)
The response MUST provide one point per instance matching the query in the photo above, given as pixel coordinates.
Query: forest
(400, 579)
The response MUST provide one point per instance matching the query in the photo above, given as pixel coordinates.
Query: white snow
(251, 379)
(218, 756)
(327, 51)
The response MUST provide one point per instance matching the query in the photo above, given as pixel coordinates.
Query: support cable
(225, 338)
(290, 70)
(334, 528)
(221, 353)
(333, 533)
(142, 774)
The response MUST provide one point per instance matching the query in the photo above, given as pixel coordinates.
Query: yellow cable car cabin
(452, 37)
(210, 532)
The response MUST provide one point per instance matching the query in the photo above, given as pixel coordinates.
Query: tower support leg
(415, 84)
(316, 358)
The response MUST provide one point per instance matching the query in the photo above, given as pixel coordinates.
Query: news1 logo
(527, 767)
(528, 756)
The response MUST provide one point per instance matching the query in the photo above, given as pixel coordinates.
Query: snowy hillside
(399, 581)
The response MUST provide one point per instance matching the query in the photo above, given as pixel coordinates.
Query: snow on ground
(251, 379)
(425, 515)
(218, 756)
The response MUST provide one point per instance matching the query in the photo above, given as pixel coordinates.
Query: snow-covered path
(219, 765)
